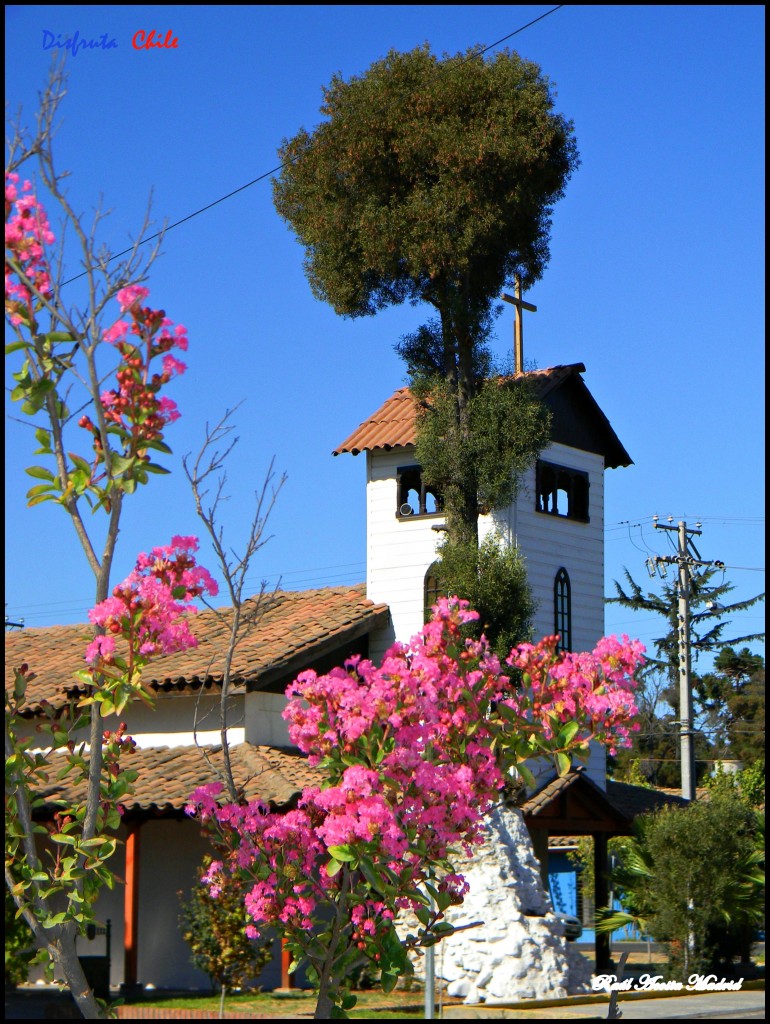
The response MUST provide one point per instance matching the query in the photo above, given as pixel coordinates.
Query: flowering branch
(414, 754)
(62, 353)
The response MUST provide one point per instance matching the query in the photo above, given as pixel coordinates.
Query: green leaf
(59, 337)
(53, 919)
(568, 733)
(65, 840)
(80, 481)
(388, 982)
(38, 498)
(563, 763)
(157, 446)
(15, 346)
(333, 867)
(80, 463)
(40, 473)
(36, 395)
(423, 915)
(152, 467)
(370, 874)
(343, 853)
(44, 440)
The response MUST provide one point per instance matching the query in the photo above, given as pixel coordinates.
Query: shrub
(693, 879)
(215, 930)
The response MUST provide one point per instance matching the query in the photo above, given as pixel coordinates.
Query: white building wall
(264, 723)
(400, 551)
(550, 542)
(178, 719)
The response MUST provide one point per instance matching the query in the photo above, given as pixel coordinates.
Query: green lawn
(371, 1004)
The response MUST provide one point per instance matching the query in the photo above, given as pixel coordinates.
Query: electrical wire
(280, 166)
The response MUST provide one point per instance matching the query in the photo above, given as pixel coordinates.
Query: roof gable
(577, 419)
(573, 804)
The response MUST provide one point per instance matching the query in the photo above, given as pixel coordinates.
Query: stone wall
(518, 950)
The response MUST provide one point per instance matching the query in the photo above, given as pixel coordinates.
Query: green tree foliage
(19, 944)
(215, 930)
(655, 754)
(494, 579)
(477, 469)
(707, 621)
(733, 699)
(740, 680)
(693, 879)
(433, 181)
(746, 785)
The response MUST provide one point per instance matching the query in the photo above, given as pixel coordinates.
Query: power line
(267, 174)
(512, 34)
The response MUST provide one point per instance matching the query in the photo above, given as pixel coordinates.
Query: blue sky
(656, 279)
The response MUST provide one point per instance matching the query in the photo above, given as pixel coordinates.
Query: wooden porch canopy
(573, 805)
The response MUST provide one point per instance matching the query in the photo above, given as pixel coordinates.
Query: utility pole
(686, 557)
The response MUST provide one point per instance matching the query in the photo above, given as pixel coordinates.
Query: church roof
(294, 631)
(168, 775)
(577, 419)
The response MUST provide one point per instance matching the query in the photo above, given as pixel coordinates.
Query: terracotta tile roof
(636, 800)
(394, 424)
(168, 775)
(294, 629)
(563, 842)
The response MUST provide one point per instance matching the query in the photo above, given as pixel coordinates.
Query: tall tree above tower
(433, 180)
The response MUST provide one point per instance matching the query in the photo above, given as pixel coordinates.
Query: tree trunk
(64, 954)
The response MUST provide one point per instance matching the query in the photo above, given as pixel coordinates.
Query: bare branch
(210, 462)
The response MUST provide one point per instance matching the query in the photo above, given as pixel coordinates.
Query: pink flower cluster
(148, 608)
(135, 405)
(412, 753)
(593, 689)
(27, 232)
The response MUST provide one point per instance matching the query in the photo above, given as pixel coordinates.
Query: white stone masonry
(519, 951)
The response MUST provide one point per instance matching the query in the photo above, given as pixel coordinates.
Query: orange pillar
(287, 980)
(131, 907)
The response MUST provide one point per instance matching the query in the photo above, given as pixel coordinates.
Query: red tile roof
(294, 629)
(394, 425)
(168, 776)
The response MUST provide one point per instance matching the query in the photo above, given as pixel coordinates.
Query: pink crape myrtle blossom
(150, 612)
(593, 689)
(135, 405)
(148, 608)
(414, 754)
(27, 233)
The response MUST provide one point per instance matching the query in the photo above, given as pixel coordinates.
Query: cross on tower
(518, 327)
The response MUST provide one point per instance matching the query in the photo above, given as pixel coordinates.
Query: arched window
(562, 610)
(430, 590)
(414, 497)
